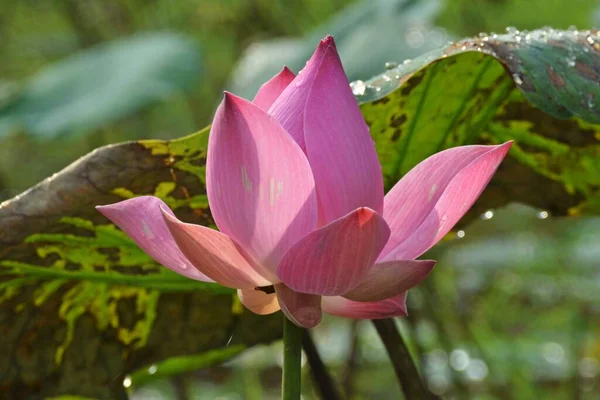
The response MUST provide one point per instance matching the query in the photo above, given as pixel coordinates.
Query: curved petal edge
(258, 301)
(141, 219)
(390, 278)
(302, 309)
(214, 254)
(388, 308)
(334, 259)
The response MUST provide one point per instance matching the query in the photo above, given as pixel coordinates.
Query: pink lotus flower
(296, 189)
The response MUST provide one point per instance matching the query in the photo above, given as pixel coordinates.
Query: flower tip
(429, 264)
(165, 213)
(286, 72)
(328, 41)
(231, 101)
(227, 97)
(505, 147)
(102, 209)
(364, 215)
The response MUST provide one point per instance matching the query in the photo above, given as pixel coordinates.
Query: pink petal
(388, 279)
(288, 109)
(434, 195)
(215, 254)
(258, 301)
(270, 90)
(340, 149)
(259, 183)
(335, 258)
(321, 113)
(393, 307)
(302, 309)
(141, 219)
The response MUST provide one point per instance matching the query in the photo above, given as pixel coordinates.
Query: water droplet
(358, 88)
(482, 35)
(407, 61)
(489, 214)
(590, 40)
(543, 214)
(152, 369)
(573, 28)
(571, 62)
(511, 30)
(414, 38)
(127, 382)
(460, 234)
(518, 80)
(390, 65)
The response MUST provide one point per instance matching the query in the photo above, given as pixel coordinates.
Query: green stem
(292, 351)
(406, 370)
(318, 369)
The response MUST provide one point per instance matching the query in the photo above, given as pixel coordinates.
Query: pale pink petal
(434, 195)
(258, 301)
(388, 308)
(390, 278)
(302, 309)
(334, 259)
(319, 110)
(141, 219)
(259, 184)
(215, 254)
(270, 90)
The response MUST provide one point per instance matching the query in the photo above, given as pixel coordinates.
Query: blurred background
(511, 311)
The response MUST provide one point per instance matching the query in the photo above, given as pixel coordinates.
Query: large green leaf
(538, 88)
(72, 284)
(97, 86)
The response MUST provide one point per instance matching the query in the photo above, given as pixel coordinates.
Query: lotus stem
(408, 376)
(318, 369)
(292, 352)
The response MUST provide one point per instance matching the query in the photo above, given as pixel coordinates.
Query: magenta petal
(215, 254)
(339, 147)
(141, 219)
(270, 90)
(259, 183)
(334, 259)
(434, 195)
(288, 109)
(320, 112)
(258, 301)
(393, 307)
(302, 309)
(388, 279)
